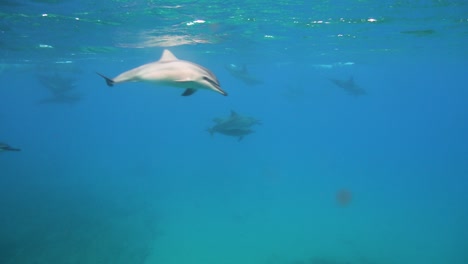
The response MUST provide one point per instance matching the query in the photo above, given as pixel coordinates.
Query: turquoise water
(129, 174)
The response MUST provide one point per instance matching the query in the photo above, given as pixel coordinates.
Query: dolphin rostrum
(171, 71)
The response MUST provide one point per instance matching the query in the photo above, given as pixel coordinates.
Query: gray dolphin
(241, 73)
(6, 147)
(57, 84)
(61, 88)
(170, 71)
(236, 121)
(349, 86)
(234, 125)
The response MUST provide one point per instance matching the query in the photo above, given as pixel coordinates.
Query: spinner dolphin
(170, 71)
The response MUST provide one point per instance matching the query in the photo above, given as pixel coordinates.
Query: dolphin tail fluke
(109, 81)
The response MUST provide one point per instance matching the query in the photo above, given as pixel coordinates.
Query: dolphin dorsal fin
(167, 56)
(233, 113)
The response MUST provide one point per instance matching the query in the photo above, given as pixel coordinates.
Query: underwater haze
(342, 140)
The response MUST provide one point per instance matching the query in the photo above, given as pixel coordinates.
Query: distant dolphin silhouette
(171, 71)
(241, 73)
(57, 84)
(349, 86)
(234, 125)
(6, 147)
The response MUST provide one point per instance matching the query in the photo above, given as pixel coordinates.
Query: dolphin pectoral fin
(240, 138)
(109, 81)
(188, 92)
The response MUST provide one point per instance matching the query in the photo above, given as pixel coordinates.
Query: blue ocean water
(129, 174)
